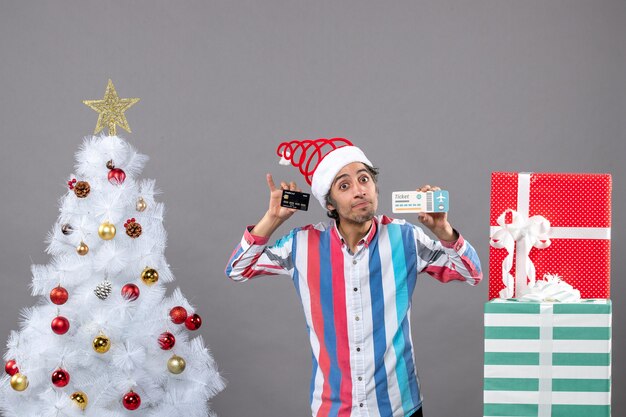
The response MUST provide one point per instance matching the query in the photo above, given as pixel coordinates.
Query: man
(355, 276)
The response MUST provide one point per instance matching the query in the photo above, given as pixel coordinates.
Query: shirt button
(361, 405)
(360, 378)
(358, 349)
(357, 318)
(354, 262)
(355, 289)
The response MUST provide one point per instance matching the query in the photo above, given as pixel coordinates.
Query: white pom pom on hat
(320, 160)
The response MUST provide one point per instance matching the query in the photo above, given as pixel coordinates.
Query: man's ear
(329, 207)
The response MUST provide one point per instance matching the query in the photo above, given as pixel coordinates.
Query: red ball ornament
(166, 340)
(131, 401)
(130, 292)
(178, 314)
(11, 367)
(60, 378)
(193, 322)
(116, 176)
(58, 295)
(60, 325)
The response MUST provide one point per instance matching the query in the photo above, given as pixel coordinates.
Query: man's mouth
(361, 204)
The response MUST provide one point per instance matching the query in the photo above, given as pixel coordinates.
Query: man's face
(354, 194)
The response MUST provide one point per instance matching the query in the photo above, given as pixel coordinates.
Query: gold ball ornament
(149, 276)
(82, 249)
(80, 399)
(101, 344)
(106, 231)
(19, 382)
(141, 204)
(176, 365)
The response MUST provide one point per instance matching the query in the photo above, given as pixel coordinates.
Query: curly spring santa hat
(320, 160)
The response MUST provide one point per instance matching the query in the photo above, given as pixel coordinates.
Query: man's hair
(329, 200)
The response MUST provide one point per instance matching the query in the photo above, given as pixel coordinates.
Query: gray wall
(436, 92)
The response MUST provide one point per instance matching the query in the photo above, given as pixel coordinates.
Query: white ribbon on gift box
(524, 233)
(546, 291)
(546, 348)
(550, 289)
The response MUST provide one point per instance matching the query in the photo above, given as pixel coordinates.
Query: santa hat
(320, 160)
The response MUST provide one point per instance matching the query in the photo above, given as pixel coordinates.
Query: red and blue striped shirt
(357, 307)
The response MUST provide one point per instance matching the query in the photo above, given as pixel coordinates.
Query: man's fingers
(283, 184)
(427, 187)
(270, 182)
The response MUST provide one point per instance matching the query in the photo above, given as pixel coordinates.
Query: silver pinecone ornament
(103, 290)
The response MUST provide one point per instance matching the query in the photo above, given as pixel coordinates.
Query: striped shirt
(357, 307)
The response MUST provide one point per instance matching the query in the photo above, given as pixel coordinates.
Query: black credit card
(295, 200)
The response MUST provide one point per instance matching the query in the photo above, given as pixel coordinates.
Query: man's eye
(343, 186)
(365, 179)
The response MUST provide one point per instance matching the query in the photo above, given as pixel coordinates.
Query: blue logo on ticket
(420, 202)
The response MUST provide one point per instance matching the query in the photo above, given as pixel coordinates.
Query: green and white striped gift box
(547, 359)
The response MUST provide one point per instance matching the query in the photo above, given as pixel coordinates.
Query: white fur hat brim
(330, 165)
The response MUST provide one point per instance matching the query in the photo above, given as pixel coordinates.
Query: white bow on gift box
(550, 289)
(527, 233)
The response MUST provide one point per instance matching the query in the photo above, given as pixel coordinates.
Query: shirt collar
(367, 239)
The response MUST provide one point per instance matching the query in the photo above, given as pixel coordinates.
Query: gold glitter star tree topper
(111, 110)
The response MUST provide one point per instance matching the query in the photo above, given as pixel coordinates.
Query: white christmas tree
(104, 339)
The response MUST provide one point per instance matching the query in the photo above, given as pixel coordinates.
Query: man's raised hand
(276, 211)
(437, 222)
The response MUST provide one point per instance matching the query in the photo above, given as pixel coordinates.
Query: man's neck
(352, 232)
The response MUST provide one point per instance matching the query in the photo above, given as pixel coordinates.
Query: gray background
(436, 92)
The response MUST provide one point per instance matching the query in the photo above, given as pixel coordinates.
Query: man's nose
(360, 189)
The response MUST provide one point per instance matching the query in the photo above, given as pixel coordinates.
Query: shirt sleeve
(448, 261)
(254, 258)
